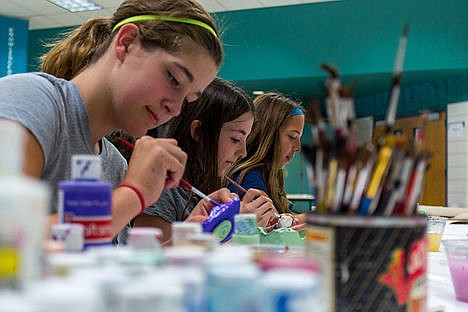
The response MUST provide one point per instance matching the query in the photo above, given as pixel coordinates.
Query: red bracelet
(140, 196)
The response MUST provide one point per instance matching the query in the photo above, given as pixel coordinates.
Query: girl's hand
(203, 208)
(256, 201)
(296, 223)
(155, 164)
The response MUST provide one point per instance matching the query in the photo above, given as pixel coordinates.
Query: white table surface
(440, 292)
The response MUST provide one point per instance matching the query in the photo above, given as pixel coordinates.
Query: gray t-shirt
(173, 205)
(54, 111)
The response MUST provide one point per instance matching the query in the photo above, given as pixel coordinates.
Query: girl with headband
(275, 138)
(133, 72)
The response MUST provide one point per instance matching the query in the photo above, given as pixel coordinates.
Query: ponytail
(83, 46)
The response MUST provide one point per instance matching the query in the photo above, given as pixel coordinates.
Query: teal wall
(358, 36)
(433, 95)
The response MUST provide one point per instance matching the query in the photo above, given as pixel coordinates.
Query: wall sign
(455, 129)
(13, 45)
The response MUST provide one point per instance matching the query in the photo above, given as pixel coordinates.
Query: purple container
(221, 220)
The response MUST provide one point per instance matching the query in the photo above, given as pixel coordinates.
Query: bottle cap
(180, 230)
(86, 167)
(144, 238)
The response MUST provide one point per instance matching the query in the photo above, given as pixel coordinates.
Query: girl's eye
(234, 140)
(291, 137)
(173, 80)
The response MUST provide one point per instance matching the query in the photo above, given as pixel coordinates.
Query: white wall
(457, 155)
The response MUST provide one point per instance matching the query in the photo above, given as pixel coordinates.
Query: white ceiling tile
(69, 19)
(271, 3)
(107, 12)
(108, 4)
(39, 11)
(12, 9)
(41, 22)
(41, 7)
(241, 4)
(91, 14)
(213, 5)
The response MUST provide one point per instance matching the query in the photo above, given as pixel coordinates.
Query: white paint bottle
(24, 207)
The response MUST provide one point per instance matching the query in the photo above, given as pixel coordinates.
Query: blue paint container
(87, 200)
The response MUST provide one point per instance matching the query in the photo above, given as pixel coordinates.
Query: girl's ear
(126, 36)
(195, 130)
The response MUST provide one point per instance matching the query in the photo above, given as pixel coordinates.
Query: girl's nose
(242, 151)
(297, 146)
(174, 106)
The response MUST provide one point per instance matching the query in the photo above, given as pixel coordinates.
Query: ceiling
(43, 14)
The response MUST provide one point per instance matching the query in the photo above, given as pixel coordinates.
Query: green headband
(165, 18)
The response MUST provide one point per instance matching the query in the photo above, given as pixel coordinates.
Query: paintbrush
(182, 182)
(243, 190)
(396, 81)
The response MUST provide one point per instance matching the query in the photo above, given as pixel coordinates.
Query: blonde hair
(88, 43)
(272, 111)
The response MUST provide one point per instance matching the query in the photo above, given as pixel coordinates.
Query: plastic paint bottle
(87, 200)
(291, 290)
(24, 205)
(245, 229)
(231, 277)
(220, 221)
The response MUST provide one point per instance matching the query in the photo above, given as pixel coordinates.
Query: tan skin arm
(33, 163)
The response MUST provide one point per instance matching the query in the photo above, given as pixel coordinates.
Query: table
(308, 198)
(440, 292)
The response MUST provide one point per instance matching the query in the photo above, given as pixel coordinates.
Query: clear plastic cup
(435, 230)
(457, 255)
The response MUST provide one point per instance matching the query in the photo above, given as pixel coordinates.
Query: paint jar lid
(203, 240)
(184, 255)
(180, 230)
(146, 238)
(86, 167)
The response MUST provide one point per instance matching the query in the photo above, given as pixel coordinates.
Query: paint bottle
(24, 206)
(231, 279)
(245, 229)
(220, 221)
(87, 200)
